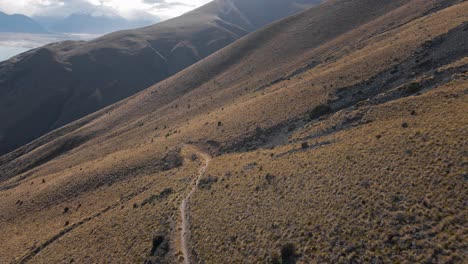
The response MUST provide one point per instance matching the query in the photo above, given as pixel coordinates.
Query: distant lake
(8, 52)
(12, 44)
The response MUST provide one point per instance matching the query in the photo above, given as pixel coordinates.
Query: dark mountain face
(46, 88)
(86, 23)
(19, 24)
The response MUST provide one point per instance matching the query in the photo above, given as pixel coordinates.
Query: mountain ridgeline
(19, 24)
(82, 23)
(46, 88)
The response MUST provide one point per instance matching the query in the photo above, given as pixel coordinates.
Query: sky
(130, 9)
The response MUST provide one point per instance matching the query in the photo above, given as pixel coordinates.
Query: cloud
(66, 8)
(166, 9)
(131, 9)
(60, 8)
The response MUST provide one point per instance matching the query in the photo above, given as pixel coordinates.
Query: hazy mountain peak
(91, 23)
(19, 23)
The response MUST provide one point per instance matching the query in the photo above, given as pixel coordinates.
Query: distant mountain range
(74, 23)
(20, 24)
(87, 23)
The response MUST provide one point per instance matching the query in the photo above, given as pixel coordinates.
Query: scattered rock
(159, 249)
(288, 254)
(269, 178)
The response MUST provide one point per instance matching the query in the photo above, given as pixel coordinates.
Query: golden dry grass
(374, 192)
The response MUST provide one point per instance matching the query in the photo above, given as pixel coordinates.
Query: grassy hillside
(326, 137)
(49, 87)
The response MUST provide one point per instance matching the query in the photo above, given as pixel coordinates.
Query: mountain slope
(19, 24)
(334, 138)
(51, 86)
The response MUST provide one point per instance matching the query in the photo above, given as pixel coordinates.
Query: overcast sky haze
(130, 9)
